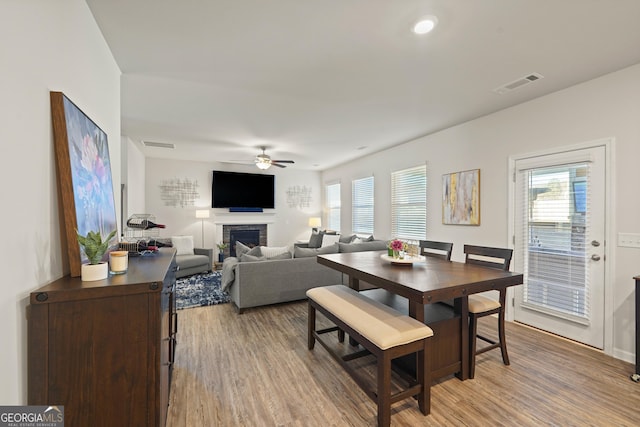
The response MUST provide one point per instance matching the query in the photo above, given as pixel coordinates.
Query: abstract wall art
(461, 198)
(84, 176)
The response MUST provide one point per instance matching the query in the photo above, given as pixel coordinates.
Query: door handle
(595, 243)
(595, 257)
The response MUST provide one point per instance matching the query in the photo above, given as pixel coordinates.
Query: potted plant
(94, 248)
(221, 247)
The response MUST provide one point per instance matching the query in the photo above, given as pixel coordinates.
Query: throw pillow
(347, 239)
(329, 239)
(242, 249)
(251, 258)
(183, 244)
(270, 252)
(315, 241)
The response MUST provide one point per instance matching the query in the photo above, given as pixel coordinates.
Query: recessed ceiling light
(425, 25)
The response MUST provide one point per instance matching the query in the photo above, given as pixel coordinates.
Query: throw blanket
(228, 272)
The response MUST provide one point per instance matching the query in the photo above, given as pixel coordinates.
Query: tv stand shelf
(105, 349)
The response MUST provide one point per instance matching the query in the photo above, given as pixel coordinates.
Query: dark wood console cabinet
(105, 349)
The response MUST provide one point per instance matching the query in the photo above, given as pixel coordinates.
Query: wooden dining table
(420, 289)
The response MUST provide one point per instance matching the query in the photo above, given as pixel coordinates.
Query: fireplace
(249, 234)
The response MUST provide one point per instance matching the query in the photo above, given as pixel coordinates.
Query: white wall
(602, 108)
(290, 223)
(46, 46)
(135, 183)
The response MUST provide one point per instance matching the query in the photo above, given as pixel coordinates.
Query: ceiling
(324, 82)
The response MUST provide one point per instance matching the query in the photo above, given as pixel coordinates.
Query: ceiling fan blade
(277, 165)
(283, 161)
(238, 162)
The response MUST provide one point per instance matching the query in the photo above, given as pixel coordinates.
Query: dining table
(432, 290)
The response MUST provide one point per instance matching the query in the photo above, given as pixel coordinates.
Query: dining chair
(435, 249)
(481, 306)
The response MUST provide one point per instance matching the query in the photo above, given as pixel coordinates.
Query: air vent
(159, 144)
(518, 83)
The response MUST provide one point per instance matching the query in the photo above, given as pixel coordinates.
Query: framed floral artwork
(84, 176)
(461, 198)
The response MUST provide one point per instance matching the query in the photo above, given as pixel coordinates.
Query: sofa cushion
(188, 261)
(285, 255)
(375, 245)
(183, 244)
(311, 252)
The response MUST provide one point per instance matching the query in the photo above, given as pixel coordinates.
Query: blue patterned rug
(200, 290)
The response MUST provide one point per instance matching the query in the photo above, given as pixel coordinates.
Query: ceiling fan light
(425, 25)
(263, 165)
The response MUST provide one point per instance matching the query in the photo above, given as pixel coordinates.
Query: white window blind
(555, 235)
(333, 206)
(409, 203)
(362, 210)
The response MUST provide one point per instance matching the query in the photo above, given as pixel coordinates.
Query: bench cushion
(378, 323)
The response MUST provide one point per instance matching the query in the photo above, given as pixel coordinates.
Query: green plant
(221, 246)
(93, 245)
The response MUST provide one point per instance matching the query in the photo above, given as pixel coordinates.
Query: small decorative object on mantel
(94, 248)
(221, 247)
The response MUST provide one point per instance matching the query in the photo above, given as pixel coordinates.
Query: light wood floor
(254, 369)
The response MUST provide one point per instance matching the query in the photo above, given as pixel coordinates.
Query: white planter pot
(91, 272)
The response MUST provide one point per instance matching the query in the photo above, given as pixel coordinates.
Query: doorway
(559, 206)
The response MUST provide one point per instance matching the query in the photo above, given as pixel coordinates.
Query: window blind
(362, 206)
(333, 206)
(409, 203)
(555, 234)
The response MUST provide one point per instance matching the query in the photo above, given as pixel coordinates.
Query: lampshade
(202, 213)
(315, 222)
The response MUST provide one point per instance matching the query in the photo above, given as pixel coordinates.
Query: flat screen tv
(242, 190)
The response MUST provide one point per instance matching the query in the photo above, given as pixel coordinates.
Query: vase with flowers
(397, 247)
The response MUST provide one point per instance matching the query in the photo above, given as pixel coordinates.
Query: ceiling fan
(263, 161)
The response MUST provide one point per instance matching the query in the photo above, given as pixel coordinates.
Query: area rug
(200, 290)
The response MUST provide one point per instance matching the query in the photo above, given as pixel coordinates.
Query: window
(362, 201)
(555, 223)
(333, 206)
(409, 203)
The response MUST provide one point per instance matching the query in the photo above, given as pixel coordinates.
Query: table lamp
(315, 223)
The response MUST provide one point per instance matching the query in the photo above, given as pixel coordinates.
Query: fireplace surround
(249, 234)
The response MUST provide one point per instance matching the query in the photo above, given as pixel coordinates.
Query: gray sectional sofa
(270, 281)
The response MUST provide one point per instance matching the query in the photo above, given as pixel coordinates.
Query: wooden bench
(383, 332)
